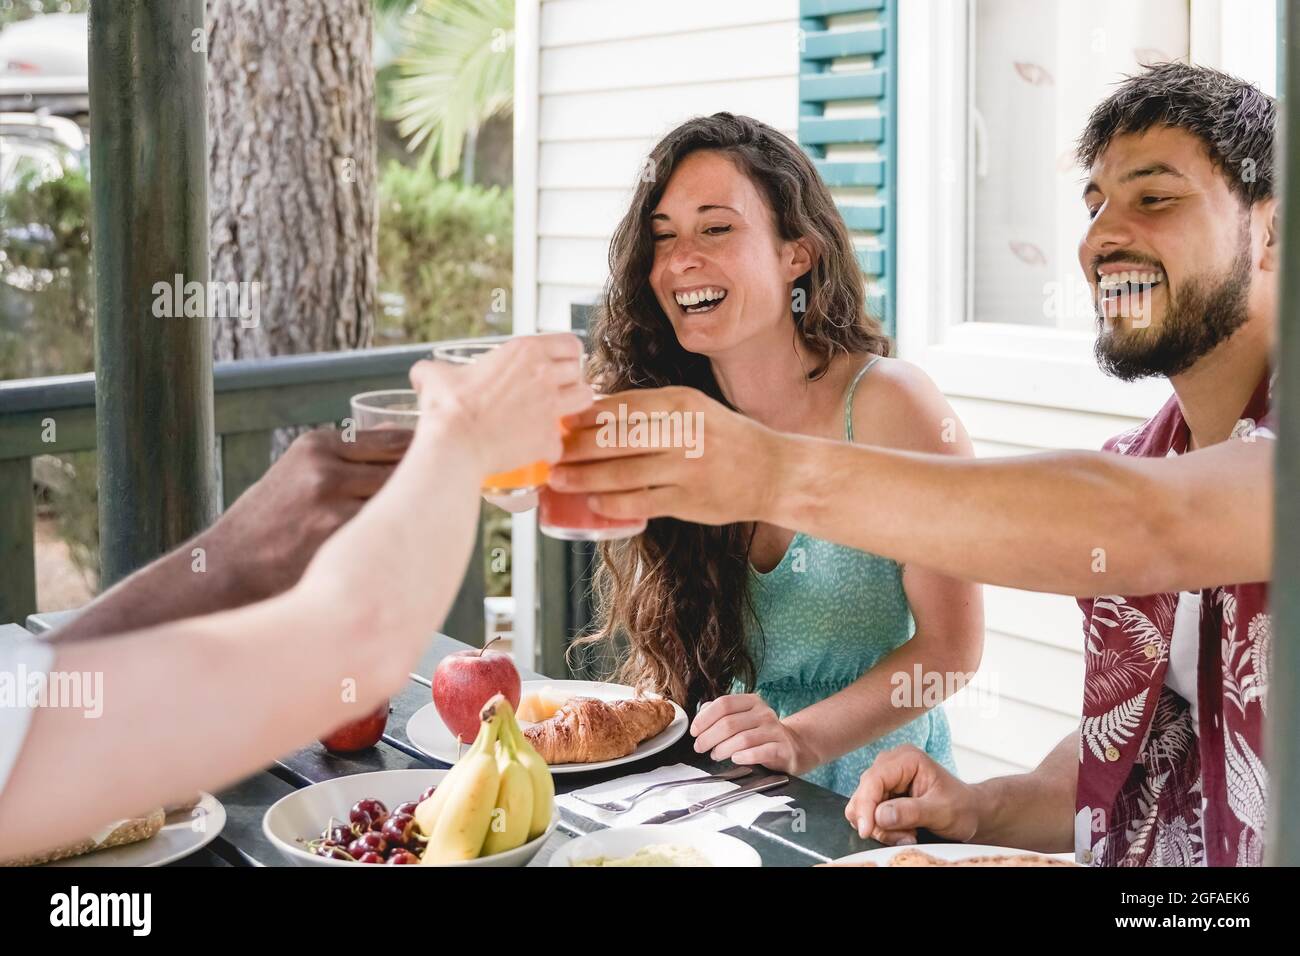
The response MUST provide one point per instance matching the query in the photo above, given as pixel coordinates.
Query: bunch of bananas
(498, 796)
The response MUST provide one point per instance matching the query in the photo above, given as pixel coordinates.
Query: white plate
(945, 851)
(184, 832)
(304, 813)
(430, 735)
(718, 848)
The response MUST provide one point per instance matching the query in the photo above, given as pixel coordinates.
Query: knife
(770, 782)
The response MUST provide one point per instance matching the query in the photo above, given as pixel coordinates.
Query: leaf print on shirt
(1260, 635)
(1143, 824)
(1105, 733)
(1114, 672)
(1117, 672)
(1176, 844)
(1238, 673)
(1172, 734)
(1247, 789)
(1153, 631)
(1229, 602)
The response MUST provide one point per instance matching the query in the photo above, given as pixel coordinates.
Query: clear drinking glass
(393, 407)
(563, 516)
(569, 518)
(518, 481)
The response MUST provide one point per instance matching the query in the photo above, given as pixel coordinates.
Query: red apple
(358, 734)
(466, 680)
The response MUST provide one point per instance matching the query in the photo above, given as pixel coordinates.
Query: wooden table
(818, 834)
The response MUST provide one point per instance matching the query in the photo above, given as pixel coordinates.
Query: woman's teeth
(700, 300)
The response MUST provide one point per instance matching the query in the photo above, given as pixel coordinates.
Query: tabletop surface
(816, 834)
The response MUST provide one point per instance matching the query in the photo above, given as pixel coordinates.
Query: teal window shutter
(847, 57)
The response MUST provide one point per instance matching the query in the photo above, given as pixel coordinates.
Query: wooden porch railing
(54, 416)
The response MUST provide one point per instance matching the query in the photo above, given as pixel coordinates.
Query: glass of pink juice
(567, 517)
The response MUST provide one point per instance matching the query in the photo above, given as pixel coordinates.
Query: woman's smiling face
(721, 273)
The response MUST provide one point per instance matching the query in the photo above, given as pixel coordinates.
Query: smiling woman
(733, 273)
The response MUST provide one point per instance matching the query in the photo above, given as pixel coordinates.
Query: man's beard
(1196, 320)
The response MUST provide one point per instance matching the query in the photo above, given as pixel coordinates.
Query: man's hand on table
(720, 481)
(905, 790)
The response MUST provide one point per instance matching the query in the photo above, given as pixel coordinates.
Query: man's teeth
(1116, 280)
(686, 299)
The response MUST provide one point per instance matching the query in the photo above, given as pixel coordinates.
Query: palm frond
(457, 72)
(383, 7)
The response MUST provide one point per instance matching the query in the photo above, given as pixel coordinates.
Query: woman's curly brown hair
(673, 602)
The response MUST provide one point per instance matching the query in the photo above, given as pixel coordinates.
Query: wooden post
(1283, 753)
(153, 381)
(17, 544)
(245, 456)
(465, 620)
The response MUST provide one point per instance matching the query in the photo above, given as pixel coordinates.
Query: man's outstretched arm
(1081, 523)
(261, 545)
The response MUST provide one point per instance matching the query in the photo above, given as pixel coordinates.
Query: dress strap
(848, 397)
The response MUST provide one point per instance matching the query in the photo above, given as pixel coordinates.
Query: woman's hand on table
(905, 790)
(744, 729)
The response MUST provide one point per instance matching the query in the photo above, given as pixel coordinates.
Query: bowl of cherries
(364, 818)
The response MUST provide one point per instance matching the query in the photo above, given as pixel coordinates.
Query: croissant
(586, 730)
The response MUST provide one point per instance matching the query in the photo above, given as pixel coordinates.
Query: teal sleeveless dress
(827, 615)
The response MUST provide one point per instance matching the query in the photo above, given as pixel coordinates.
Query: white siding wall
(1033, 650)
(614, 76)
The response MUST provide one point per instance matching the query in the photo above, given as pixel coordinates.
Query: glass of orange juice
(508, 484)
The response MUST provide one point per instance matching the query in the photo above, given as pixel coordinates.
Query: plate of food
(952, 854)
(157, 838)
(575, 725)
(655, 845)
(337, 822)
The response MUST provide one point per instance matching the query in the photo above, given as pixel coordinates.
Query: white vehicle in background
(39, 145)
(44, 64)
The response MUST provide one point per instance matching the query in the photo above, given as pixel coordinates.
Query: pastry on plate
(116, 834)
(587, 730)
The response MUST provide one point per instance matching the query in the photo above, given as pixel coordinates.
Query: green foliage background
(445, 253)
(447, 250)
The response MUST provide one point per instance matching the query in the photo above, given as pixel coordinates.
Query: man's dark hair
(1234, 120)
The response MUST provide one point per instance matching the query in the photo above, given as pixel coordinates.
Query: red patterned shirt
(1154, 790)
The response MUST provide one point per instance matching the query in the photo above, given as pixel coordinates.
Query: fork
(626, 804)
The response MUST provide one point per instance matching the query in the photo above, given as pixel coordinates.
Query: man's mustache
(1099, 261)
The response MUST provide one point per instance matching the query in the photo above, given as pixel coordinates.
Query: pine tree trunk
(291, 126)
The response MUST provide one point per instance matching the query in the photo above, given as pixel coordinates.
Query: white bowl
(718, 848)
(303, 814)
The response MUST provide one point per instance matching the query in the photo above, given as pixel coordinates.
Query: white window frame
(523, 527)
(993, 360)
